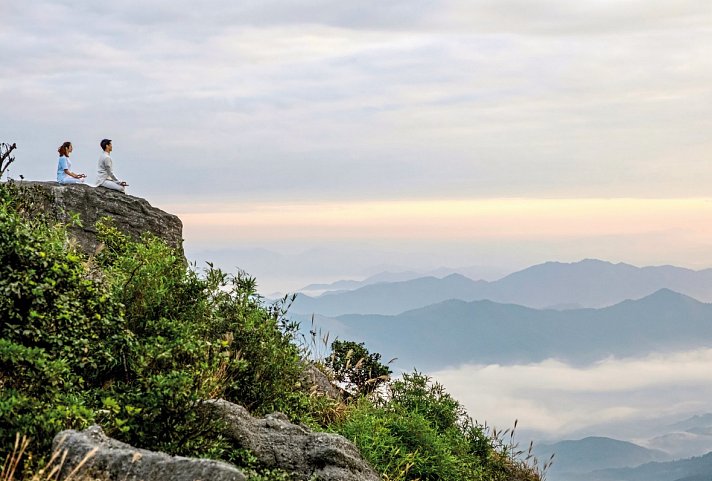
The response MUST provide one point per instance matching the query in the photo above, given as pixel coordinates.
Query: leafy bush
(352, 364)
(419, 432)
(131, 338)
(262, 338)
(198, 338)
(59, 330)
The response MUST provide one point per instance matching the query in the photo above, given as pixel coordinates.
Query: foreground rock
(115, 461)
(277, 443)
(132, 215)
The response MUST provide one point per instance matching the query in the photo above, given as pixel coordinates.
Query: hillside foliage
(133, 339)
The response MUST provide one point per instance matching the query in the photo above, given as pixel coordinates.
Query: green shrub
(131, 338)
(150, 279)
(419, 432)
(360, 371)
(59, 330)
(271, 366)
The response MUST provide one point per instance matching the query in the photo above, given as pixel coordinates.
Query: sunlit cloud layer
(457, 219)
(634, 230)
(328, 241)
(553, 397)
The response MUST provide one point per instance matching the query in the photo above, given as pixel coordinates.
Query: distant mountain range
(577, 313)
(455, 332)
(473, 272)
(348, 285)
(693, 469)
(690, 437)
(598, 458)
(588, 283)
(573, 458)
(693, 424)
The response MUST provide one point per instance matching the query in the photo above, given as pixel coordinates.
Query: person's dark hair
(64, 148)
(104, 143)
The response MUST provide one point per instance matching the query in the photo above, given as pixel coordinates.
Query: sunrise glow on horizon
(683, 219)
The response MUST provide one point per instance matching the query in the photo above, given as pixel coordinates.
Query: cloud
(555, 398)
(560, 17)
(325, 100)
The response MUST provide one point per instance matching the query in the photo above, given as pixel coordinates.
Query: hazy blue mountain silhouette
(455, 332)
(692, 469)
(389, 297)
(473, 272)
(593, 453)
(688, 437)
(692, 424)
(588, 283)
(353, 284)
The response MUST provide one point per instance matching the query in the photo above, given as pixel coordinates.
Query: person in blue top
(64, 167)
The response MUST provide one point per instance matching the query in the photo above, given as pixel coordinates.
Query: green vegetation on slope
(133, 339)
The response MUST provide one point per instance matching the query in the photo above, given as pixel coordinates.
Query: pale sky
(531, 130)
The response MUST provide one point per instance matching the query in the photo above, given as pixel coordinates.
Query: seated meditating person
(105, 175)
(64, 167)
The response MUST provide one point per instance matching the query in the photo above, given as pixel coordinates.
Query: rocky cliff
(132, 215)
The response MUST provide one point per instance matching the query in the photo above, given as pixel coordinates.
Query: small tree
(5, 158)
(353, 365)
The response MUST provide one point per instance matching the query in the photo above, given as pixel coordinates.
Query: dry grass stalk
(54, 468)
(13, 459)
(86, 458)
(51, 470)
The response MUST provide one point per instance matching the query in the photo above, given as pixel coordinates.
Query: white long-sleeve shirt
(105, 171)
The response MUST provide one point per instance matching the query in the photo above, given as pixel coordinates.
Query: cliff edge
(132, 215)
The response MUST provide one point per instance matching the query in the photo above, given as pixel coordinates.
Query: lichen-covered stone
(277, 443)
(110, 460)
(132, 215)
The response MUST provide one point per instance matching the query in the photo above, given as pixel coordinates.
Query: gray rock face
(314, 377)
(113, 460)
(277, 443)
(132, 215)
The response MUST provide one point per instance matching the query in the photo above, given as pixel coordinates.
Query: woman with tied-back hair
(64, 169)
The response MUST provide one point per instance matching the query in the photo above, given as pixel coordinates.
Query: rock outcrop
(98, 457)
(277, 443)
(132, 215)
(273, 440)
(320, 383)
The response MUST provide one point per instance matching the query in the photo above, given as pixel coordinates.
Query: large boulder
(132, 215)
(277, 443)
(96, 456)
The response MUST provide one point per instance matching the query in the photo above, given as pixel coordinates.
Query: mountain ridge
(491, 332)
(587, 283)
(573, 457)
(697, 468)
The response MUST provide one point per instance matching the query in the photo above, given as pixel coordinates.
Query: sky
(458, 132)
(309, 141)
(381, 127)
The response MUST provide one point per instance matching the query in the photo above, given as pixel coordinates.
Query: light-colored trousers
(71, 180)
(110, 184)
